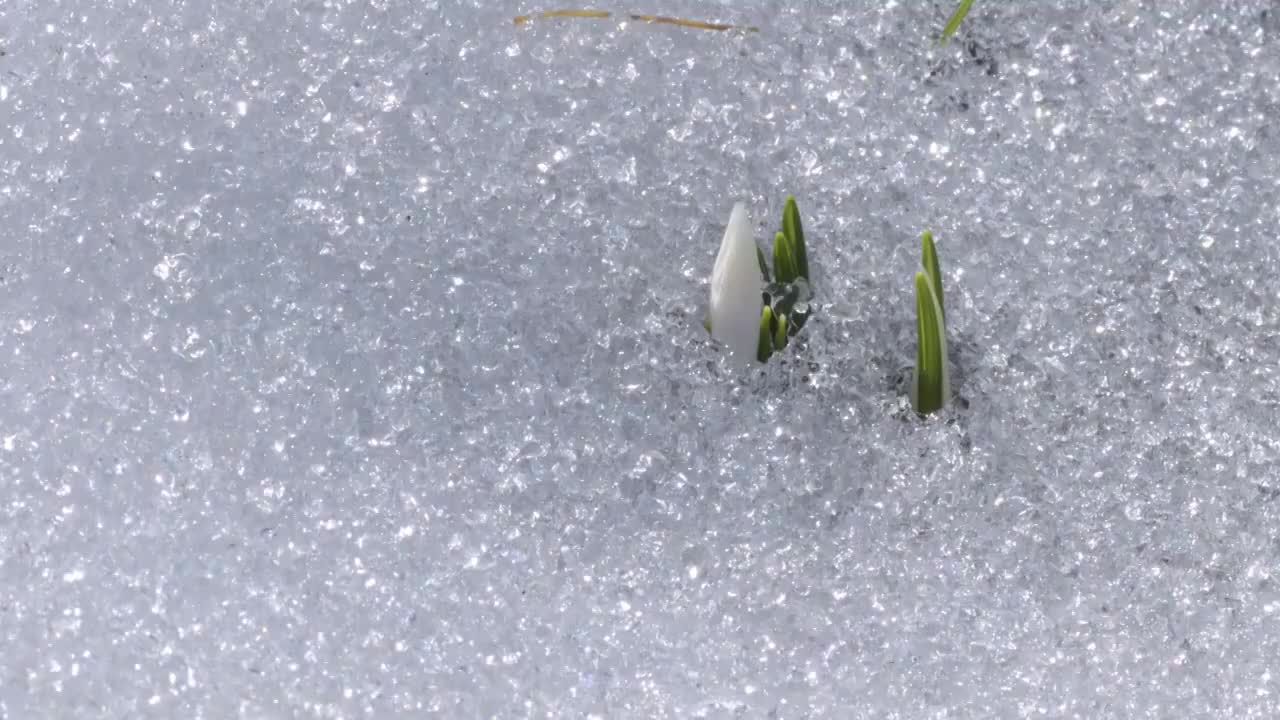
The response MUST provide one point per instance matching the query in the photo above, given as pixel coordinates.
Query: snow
(352, 363)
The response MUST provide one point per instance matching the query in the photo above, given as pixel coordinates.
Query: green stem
(953, 23)
(930, 389)
(929, 259)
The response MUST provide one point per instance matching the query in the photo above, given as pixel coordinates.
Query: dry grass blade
(551, 14)
(657, 19)
(696, 24)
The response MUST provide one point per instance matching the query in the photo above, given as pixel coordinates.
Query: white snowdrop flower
(736, 285)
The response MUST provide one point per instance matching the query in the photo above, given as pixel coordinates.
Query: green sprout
(794, 232)
(786, 287)
(784, 264)
(953, 23)
(767, 323)
(931, 386)
(929, 259)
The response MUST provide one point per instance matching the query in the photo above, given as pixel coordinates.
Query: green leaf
(794, 232)
(953, 23)
(780, 333)
(764, 267)
(929, 259)
(784, 266)
(929, 392)
(765, 347)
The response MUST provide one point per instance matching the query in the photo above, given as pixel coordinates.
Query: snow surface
(352, 362)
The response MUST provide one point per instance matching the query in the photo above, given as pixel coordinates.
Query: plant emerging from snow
(931, 384)
(755, 308)
(755, 311)
(953, 22)
(734, 319)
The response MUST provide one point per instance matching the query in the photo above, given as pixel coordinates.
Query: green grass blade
(794, 231)
(953, 23)
(765, 347)
(929, 259)
(780, 333)
(930, 389)
(784, 266)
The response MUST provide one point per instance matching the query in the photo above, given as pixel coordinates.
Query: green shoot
(794, 232)
(929, 391)
(784, 265)
(765, 348)
(931, 388)
(953, 23)
(929, 258)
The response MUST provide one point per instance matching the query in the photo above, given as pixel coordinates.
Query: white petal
(735, 289)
